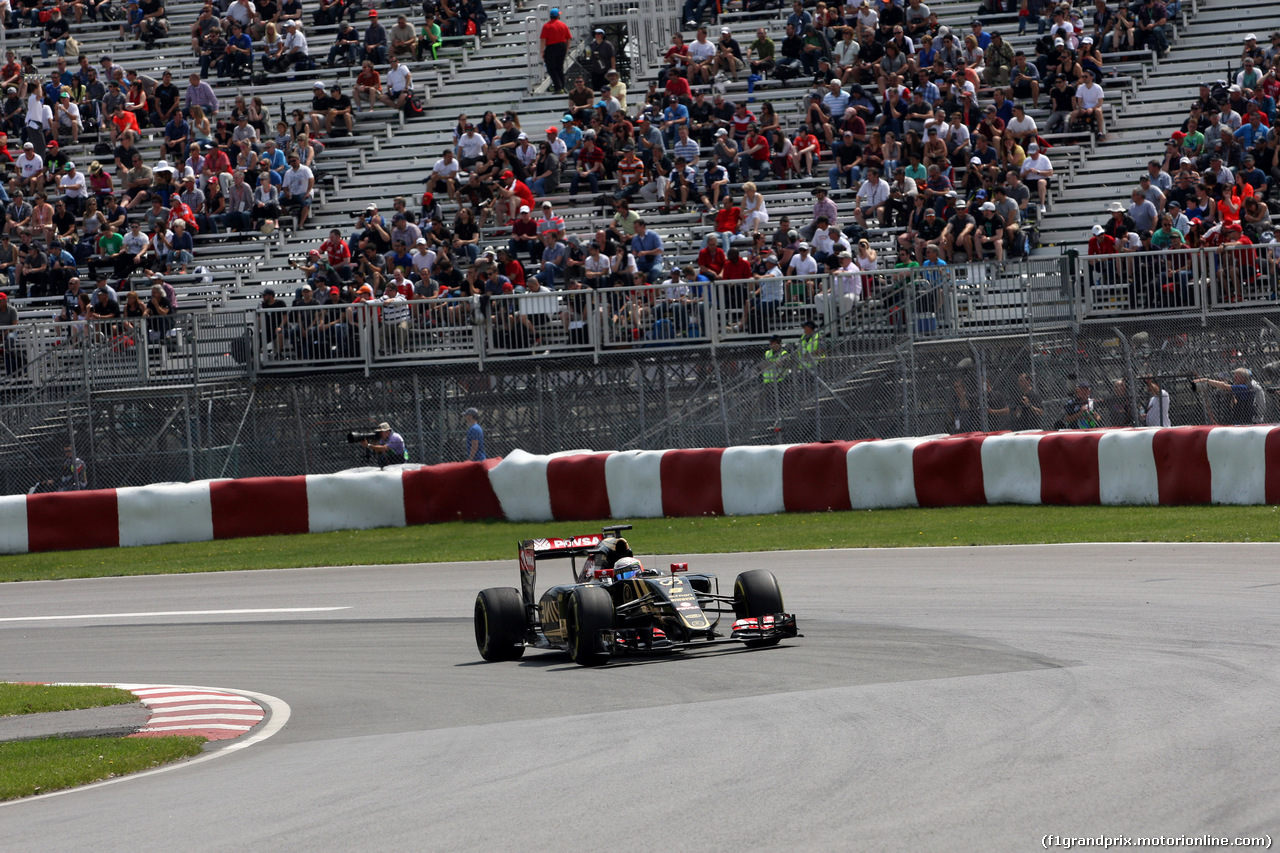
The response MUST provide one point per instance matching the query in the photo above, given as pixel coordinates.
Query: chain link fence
(880, 384)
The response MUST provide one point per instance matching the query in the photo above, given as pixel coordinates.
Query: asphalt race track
(941, 699)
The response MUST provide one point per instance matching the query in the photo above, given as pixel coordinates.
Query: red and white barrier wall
(1183, 465)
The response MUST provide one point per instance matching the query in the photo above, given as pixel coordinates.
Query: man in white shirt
(702, 54)
(470, 147)
(1088, 102)
(72, 186)
(297, 187)
(295, 46)
(1021, 126)
(1158, 405)
(68, 118)
(424, 259)
(829, 243)
(399, 86)
(445, 172)
(1036, 171)
(30, 177)
(870, 196)
(846, 286)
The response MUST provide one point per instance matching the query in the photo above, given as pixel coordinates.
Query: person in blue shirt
(646, 246)
(674, 116)
(238, 58)
(475, 436)
(571, 136)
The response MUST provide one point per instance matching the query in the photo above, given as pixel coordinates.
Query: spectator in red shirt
(711, 260)
(736, 267)
(679, 87)
(515, 193)
(337, 253)
(728, 221)
(553, 43)
(754, 159)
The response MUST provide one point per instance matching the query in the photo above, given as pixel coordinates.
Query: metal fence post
(440, 417)
(417, 411)
(191, 450)
(302, 435)
(980, 374)
(724, 410)
(640, 387)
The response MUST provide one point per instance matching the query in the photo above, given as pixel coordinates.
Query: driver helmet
(628, 567)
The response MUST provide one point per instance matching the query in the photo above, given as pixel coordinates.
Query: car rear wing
(533, 550)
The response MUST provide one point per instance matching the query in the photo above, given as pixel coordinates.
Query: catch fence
(950, 349)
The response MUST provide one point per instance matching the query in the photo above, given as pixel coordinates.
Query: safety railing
(909, 303)
(182, 349)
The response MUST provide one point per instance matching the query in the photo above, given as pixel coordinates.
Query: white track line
(173, 613)
(179, 718)
(189, 697)
(280, 713)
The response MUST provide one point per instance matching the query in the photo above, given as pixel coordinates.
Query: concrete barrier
(1178, 466)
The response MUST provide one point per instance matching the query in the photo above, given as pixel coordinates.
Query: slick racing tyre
(756, 593)
(590, 612)
(500, 624)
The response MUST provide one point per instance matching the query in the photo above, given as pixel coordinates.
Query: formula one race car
(617, 606)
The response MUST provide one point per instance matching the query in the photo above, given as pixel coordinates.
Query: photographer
(390, 450)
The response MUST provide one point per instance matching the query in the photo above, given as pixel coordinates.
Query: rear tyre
(590, 612)
(756, 593)
(500, 624)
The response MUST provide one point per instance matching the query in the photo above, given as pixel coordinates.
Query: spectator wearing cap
(1120, 222)
(524, 235)
(824, 213)
(1036, 172)
(553, 45)
(297, 188)
(1151, 192)
(997, 61)
(674, 117)
(295, 53)
(1218, 173)
(340, 109)
(958, 233)
(375, 40)
(1250, 53)
(601, 57)
(728, 59)
(617, 89)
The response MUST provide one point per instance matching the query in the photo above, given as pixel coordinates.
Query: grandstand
(886, 302)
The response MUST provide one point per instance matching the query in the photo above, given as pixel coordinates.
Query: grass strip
(39, 698)
(30, 767)
(458, 541)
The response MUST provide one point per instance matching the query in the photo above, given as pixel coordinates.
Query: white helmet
(628, 567)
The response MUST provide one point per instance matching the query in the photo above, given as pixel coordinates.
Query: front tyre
(500, 624)
(590, 612)
(756, 593)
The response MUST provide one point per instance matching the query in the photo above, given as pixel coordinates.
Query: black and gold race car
(616, 606)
